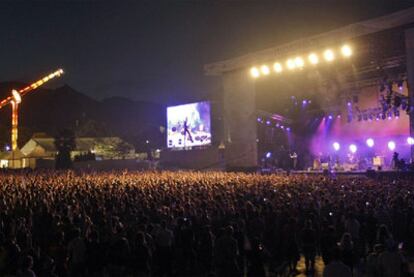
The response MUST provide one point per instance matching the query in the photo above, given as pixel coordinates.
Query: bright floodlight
(16, 96)
(277, 67)
(329, 55)
(353, 148)
(254, 72)
(410, 141)
(313, 58)
(346, 51)
(391, 145)
(299, 62)
(265, 69)
(336, 146)
(370, 142)
(290, 64)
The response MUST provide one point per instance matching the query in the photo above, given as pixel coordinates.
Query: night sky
(155, 50)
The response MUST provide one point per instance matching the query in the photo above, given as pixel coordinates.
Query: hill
(48, 110)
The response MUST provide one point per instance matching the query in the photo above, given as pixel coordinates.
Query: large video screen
(188, 125)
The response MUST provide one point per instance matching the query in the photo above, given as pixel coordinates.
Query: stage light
(259, 119)
(370, 142)
(304, 102)
(288, 129)
(329, 55)
(277, 67)
(254, 72)
(330, 116)
(353, 148)
(268, 155)
(313, 58)
(336, 146)
(346, 51)
(290, 64)
(299, 62)
(410, 141)
(265, 69)
(268, 122)
(391, 145)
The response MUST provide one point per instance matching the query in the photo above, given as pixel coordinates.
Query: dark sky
(155, 50)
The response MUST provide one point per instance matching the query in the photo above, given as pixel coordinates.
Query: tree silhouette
(65, 143)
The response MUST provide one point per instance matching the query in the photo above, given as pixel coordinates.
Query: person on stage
(187, 130)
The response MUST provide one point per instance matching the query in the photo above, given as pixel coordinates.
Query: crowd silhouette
(202, 224)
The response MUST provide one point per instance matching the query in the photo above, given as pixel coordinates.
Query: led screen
(188, 125)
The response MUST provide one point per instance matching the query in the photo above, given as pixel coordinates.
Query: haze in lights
(313, 58)
(265, 69)
(277, 67)
(254, 72)
(290, 64)
(299, 62)
(329, 55)
(346, 51)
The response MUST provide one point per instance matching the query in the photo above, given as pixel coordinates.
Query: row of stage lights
(277, 125)
(370, 143)
(298, 63)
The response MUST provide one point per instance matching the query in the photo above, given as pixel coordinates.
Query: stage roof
(344, 34)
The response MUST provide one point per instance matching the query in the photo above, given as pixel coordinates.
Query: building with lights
(40, 151)
(350, 90)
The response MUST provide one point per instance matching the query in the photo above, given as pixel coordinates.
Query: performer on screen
(187, 130)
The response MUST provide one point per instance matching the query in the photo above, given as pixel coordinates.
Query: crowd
(202, 224)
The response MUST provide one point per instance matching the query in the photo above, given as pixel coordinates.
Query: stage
(352, 174)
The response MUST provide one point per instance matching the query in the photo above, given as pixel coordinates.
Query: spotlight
(370, 142)
(313, 58)
(391, 145)
(290, 64)
(329, 55)
(346, 51)
(299, 62)
(265, 69)
(353, 148)
(277, 67)
(336, 146)
(268, 122)
(330, 116)
(259, 119)
(268, 155)
(304, 102)
(410, 141)
(254, 72)
(288, 129)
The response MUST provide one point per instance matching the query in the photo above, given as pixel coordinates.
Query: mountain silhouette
(49, 110)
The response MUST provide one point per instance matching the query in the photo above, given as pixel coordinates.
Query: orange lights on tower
(16, 98)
